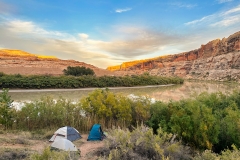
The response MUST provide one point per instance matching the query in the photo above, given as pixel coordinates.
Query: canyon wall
(216, 60)
(20, 62)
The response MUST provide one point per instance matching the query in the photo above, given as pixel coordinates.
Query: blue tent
(96, 133)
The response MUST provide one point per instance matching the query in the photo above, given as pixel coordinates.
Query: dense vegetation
(47, 81)
(207, 121)
(78, 71)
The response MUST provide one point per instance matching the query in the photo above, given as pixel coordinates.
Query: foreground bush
(11, 154)
(100, 106)
(142, 144)
(227, 154)
(114, 109)
(48, 154)
(208, 121)
(48, 113)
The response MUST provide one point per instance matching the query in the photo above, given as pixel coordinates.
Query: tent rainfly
(66, 132)
(96, 133)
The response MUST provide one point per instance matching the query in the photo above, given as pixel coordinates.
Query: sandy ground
(18, 141)
(88, 147)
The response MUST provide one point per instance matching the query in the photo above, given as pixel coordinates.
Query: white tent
(64, 144)
(66, 132)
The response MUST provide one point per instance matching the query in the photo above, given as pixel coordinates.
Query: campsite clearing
(24, 144)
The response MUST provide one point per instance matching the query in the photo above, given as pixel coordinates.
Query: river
(162, 93)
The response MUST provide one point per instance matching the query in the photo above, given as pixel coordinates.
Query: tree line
(47, 81)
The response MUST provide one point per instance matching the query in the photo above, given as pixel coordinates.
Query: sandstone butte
(217, 60)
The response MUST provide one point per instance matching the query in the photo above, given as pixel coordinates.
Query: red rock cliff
(216, 60)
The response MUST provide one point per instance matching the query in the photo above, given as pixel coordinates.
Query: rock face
(20, 62)
(216, 60)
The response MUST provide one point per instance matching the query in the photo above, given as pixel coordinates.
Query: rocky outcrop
(20, 62)
(216, 60)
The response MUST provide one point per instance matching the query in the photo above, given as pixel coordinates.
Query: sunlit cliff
(18, 53)
(218, 59)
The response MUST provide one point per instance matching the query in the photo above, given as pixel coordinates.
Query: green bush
(114, 109)
(203, 122)
(78, 71)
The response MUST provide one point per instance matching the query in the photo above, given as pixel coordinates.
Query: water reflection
(165, 93)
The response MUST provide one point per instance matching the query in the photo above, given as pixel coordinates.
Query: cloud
(123, 10)
(31, 37)
(224, 1)
(222, 19)
(83, 36)
(133, 42)
(233, 10)
(227, 22)
(30, 28)
(137, 42)
(206, 18)
(183, 5)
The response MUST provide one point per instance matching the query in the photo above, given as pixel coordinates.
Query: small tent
(64, 144)
(96, 133)
(66, 132)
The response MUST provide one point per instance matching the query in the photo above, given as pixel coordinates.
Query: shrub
(7, 153)
(108, 106)
(54, 155)
(203, 122)
(78, 71)
(6, 112)
(226, 154)
(142, 144)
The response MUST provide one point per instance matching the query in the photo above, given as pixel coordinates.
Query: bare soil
(21, 141)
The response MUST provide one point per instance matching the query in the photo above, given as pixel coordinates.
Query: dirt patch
(88, 148)
(19, 142)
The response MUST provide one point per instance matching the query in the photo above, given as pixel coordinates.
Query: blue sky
(108, 32)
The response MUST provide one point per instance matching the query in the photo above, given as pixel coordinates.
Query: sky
(109, 32)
